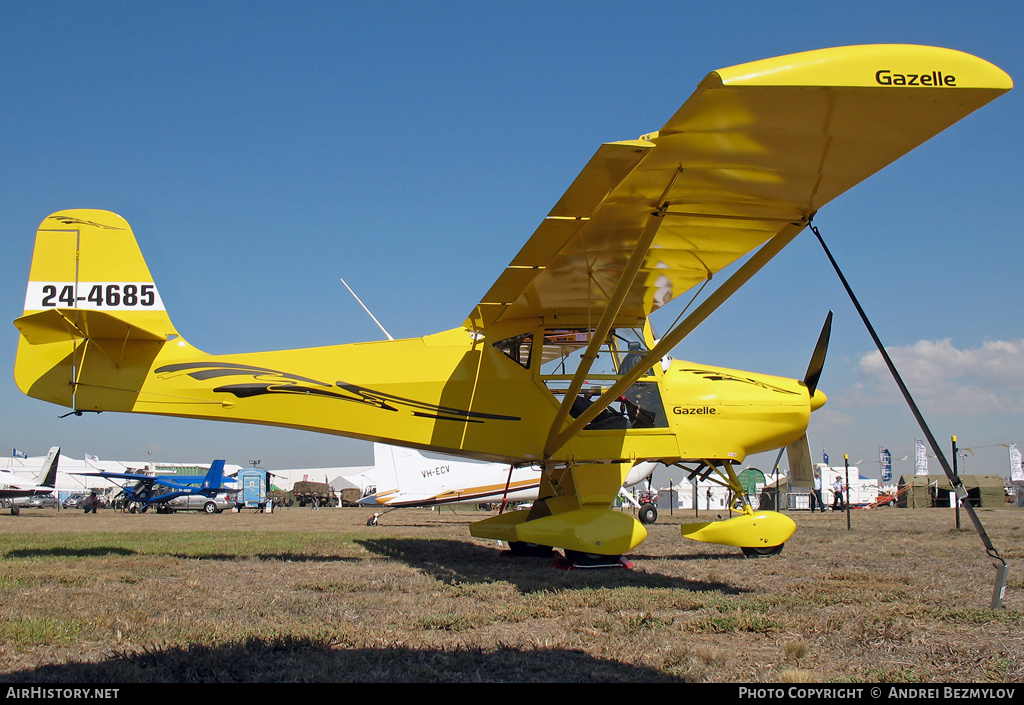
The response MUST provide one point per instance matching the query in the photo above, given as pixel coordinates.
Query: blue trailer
(254, 486)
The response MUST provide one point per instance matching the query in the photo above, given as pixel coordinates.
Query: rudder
(214, 476)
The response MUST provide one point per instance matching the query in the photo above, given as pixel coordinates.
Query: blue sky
(263, 150)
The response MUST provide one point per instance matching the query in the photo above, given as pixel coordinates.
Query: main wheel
(648, 514)
(762, 551)
(591, 560)
(524, 548)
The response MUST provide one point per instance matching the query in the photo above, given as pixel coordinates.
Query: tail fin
(401, 475)
(93, 320)
(48, 472)
(385, 473)
(215, 476)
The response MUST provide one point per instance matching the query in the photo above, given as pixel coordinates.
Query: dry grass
(318, 596)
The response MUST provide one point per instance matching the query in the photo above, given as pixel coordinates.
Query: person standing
(837, 495)
(816, 495)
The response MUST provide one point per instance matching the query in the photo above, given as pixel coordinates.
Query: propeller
(801, 471)
(798, 452)
(817, 362)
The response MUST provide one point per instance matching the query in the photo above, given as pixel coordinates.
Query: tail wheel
(762, 551)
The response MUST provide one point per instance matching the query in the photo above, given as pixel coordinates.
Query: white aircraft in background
(408, 478)
(14, 488)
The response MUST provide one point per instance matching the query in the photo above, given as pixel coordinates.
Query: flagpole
(956, 501)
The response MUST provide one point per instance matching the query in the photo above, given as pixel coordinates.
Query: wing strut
(669, 341)
(599, 334)
(1002, 570)
(611, 312)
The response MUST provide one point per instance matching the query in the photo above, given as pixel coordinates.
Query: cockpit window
(519, 348)
(639, 406)
(563, 351)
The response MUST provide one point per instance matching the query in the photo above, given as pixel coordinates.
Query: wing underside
(757, 148)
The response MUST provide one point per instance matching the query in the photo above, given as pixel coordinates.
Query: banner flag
(886, 459)
(920, 458)
(1016, 469)
(18, 454)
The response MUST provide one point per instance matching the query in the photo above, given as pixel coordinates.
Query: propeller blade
(817, 362)
(801, 472)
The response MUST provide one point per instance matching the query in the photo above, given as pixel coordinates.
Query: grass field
(307, 596)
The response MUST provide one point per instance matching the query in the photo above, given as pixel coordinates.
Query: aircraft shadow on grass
(65, 552)
(283, 557)
(100, 551)
(298, 659)
(447, 560)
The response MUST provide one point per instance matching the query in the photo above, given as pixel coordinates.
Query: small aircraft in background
(409, 478)
(158, 490)
(14, 489)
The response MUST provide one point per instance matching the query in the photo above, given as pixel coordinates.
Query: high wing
(751, 155)
(14, 493)
(118, 476)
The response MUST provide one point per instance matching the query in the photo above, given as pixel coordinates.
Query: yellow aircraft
(557, 364)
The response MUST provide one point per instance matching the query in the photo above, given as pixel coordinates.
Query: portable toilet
(253, 492)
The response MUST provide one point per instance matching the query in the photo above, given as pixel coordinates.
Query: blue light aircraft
(158, 490)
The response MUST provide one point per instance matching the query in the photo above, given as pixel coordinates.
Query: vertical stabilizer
(93, 320)
(215, 476)
(48, 472)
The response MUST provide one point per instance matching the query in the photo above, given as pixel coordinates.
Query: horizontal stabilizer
(59, 325)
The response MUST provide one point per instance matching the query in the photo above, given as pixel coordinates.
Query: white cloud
(947, 380)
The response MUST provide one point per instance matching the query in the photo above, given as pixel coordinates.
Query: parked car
(75, 501)
(201, 503)
(46, 501)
